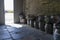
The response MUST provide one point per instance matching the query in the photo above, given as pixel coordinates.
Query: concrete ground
(22, 32)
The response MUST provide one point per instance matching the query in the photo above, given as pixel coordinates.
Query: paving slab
(23, 33)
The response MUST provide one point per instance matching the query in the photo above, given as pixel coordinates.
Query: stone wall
(42, 7)
(2, 14)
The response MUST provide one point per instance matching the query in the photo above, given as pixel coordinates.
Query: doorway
(9, 11)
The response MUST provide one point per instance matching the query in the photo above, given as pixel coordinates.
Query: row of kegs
(44, 23)
(48, 24)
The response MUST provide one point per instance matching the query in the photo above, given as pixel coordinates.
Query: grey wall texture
(2, 17)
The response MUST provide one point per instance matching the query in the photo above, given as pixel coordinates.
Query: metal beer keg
(57, 30)
(41, 23)
(49, 25)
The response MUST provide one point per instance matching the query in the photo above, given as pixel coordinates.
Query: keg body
(49, 28)
(56, 35)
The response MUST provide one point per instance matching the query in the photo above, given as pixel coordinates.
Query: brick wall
(42, 7)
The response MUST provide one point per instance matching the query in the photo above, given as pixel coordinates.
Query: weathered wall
(2, 17)
(42, 7)
(18, 8)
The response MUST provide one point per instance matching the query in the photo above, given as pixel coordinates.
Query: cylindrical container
(49, 28)
(49, 25)
(56, 27)
(57, 31)
(41, 23)
(31, 22)
(22, 19)
(28, 21)
(56, 34)
(36, 25)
